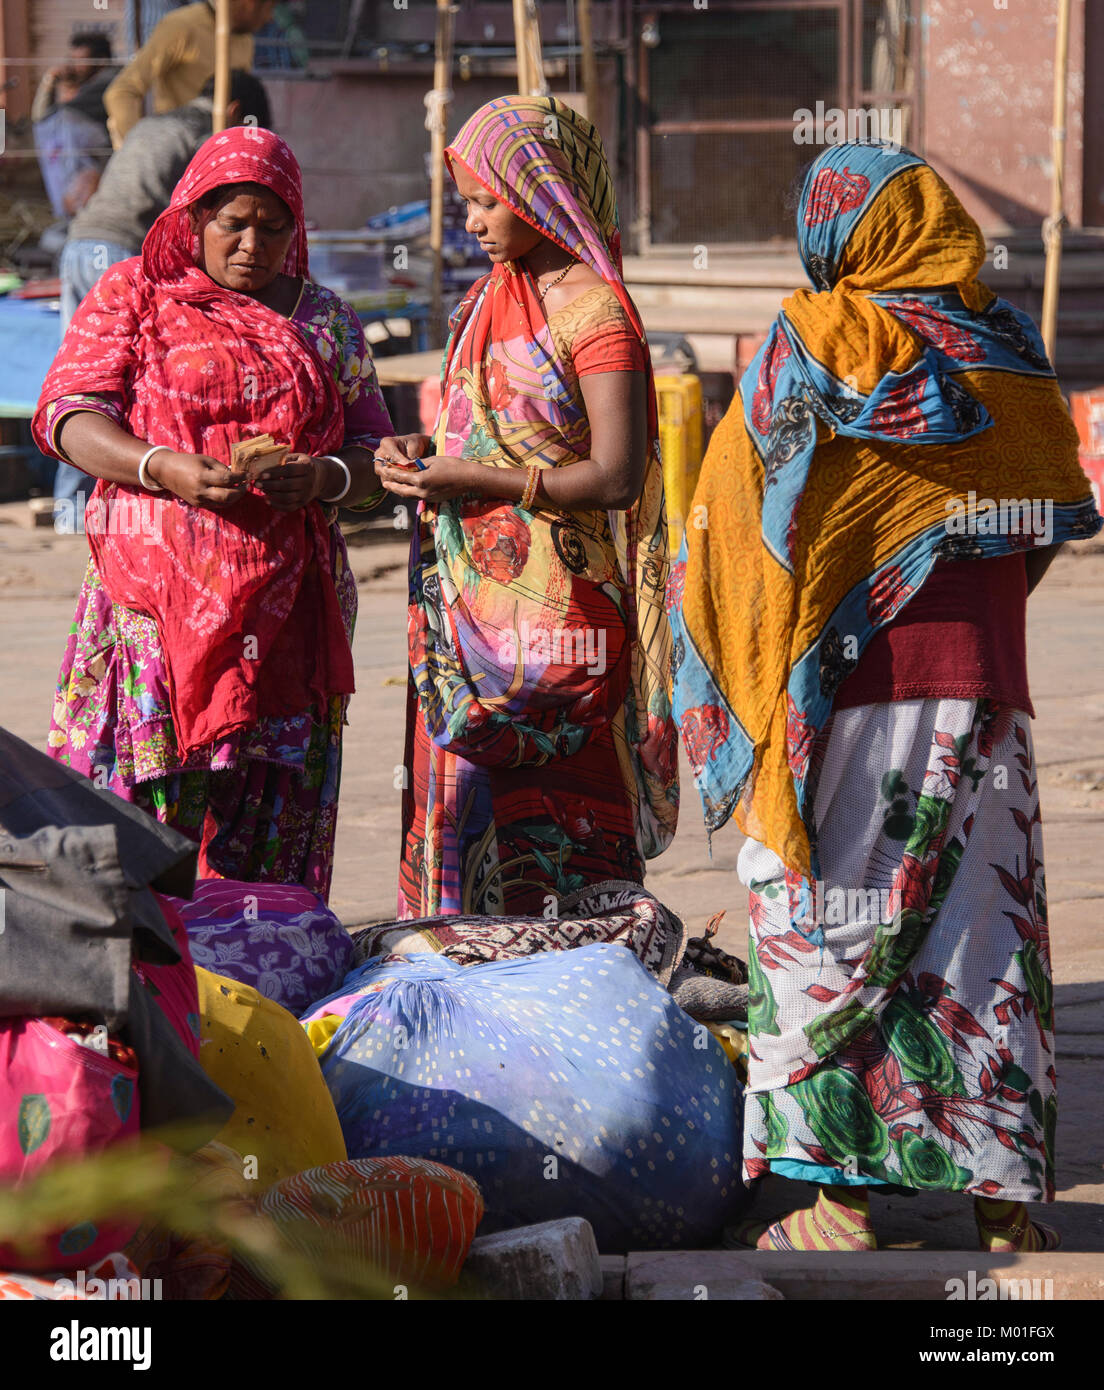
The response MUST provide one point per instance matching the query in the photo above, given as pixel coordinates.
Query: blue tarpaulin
(30, 335)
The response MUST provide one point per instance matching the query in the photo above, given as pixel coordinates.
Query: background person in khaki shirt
(178, 60)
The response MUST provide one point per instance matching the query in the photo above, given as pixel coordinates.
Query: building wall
(360, 137)
(40, 30)
(986, 90)
(987, 83)
(361, 140)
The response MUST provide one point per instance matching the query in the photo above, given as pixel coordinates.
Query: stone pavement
(40, 575)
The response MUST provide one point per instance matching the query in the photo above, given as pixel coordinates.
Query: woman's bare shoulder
(582, 278)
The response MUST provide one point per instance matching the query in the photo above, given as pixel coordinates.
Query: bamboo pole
(1055, 223)
(590, 66)
(437, 103)
(521, 25)
(356, 14)
(222, 65)
(538, 87)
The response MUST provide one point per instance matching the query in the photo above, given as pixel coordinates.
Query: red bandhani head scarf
(243, 599)
(244, 154)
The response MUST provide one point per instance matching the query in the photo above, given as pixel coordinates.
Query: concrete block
(613, 1277)
(555, 1260)
(688, 1276)
(34, 514)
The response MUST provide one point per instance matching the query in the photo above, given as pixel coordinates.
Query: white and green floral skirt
(901, 1023)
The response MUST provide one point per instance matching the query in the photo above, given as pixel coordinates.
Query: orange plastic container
(1088, 415)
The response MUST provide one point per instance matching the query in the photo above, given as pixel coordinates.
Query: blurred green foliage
(144, 1182)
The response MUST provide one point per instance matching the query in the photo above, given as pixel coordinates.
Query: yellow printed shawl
(898, 385)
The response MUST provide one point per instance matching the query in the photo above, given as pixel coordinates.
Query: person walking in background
(540, 750)
(208, 668)
(134, 191)
(178, 59)
(70, 123)
(80, 82)
(851, 686)
(138, 182)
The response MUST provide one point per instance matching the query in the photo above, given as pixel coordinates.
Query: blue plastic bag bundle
(566, 1084)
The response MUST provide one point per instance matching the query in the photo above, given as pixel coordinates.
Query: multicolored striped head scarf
(879, 400)
(547, 164)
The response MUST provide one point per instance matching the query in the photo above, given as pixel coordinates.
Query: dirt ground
(39, 578)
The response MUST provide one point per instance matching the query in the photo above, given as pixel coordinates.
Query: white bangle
(333, 458)
(143, 475)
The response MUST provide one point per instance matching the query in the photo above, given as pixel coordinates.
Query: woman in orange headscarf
(851, 686)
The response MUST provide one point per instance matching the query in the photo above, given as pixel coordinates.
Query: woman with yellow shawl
(851, 686)
(541, 752)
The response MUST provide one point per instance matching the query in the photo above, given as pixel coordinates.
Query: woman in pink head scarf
(209, 666)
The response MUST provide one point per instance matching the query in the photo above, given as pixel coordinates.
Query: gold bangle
(532, 483)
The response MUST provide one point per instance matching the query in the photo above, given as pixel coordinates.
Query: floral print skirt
(261, 803)
(901, 1023)
(510, 841)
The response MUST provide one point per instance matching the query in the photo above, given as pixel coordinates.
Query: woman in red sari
(209, 667)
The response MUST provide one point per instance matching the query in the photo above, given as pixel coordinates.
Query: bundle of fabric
(89, 935)
(61, 1098)
(195, 1265)
(279, 938)
(69, 1088)
(366, 1226)
(397, 1220)
(710, 984)
(616, 911)
(283, 1120)
(706, 982)
(110, 1280)
(567, 1083)
(98, 1001)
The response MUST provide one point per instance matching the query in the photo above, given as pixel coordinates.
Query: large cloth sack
(259, 1055)
(72, 1089)
(83, 931)
(62, 1099)
(280, 938)
(566, 1084)
(615, 911)
(406, 1220)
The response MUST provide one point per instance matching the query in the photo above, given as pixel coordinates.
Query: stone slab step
(880, 1276)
